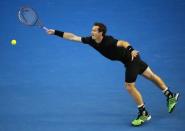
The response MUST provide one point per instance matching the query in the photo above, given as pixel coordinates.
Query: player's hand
(51, 32)
(134, 54)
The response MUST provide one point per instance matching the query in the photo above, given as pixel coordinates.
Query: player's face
(95, 33)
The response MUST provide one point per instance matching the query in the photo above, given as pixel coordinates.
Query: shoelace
(171, 99)
(140, 114)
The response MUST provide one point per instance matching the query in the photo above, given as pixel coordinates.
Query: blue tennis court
(51, 84)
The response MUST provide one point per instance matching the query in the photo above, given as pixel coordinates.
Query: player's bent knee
(129, 86)
(152, 76)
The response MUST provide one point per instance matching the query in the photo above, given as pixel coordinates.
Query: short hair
(102, 27)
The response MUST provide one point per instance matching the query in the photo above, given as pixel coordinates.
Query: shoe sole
(177, 98)
(149, 117)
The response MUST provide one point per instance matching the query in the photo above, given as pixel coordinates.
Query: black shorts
(137, 66)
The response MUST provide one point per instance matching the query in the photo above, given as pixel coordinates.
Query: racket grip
(46, 29)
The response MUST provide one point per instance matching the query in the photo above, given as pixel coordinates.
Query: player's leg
(172, 98)
(130, 78)
(133, 91)
(155, 79)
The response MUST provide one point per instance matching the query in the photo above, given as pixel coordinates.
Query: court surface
(51, 84)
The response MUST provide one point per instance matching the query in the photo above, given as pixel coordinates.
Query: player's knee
(129, 86)
(152, 76)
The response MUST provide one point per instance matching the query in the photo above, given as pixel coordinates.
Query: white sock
(164, 90)
(140, 105)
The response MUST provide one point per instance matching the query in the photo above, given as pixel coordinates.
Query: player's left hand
(134, 53)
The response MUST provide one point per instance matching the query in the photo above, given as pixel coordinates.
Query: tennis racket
(29, 17)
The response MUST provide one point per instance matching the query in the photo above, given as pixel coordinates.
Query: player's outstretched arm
(65, 35)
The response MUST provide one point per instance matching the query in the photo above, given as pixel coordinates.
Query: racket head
(28, 16)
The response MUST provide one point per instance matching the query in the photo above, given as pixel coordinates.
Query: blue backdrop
(51, 84)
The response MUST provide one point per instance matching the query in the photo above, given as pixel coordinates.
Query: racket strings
(28, 16)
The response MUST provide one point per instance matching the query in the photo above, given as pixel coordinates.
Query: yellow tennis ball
(13, 42)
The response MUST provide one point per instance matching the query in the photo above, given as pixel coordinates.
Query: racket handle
(46, 29)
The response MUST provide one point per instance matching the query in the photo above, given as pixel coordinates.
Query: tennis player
(121, 50)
